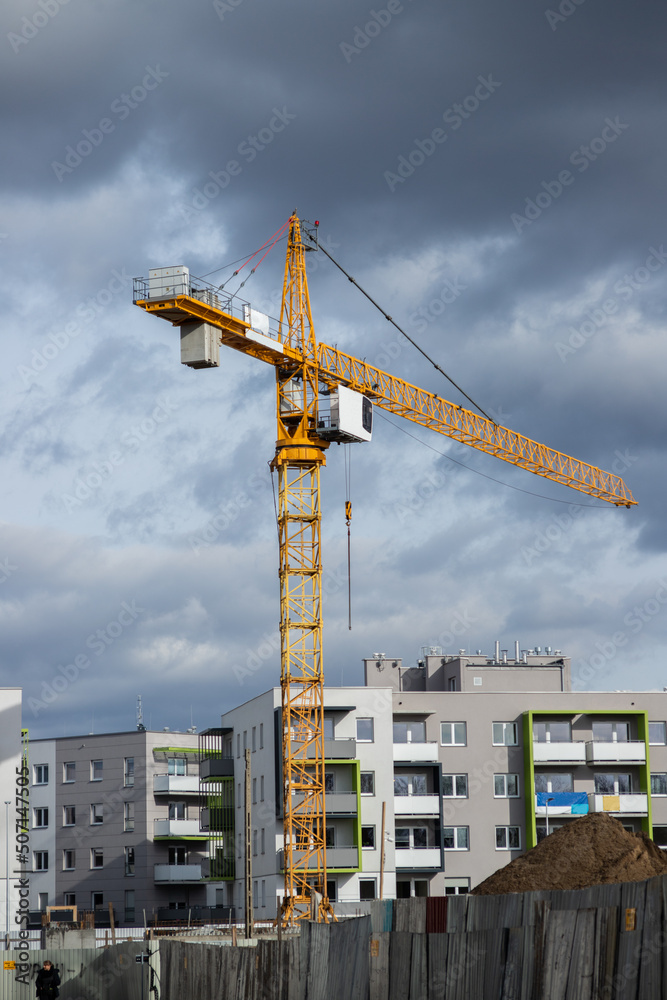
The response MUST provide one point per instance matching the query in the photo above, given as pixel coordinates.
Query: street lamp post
(546, 813)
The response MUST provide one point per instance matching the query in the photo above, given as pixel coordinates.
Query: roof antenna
(140, 716)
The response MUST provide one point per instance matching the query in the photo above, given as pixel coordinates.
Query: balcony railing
(416, 805)
(337, 750)
(176, 783)
(546, 753)
(177, 828)
(630, 752)
(337, 857)
(415, 753)
(417, 858)
(212, 768)
(626, 805)
(177, 873)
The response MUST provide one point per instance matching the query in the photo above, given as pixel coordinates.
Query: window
(177, 810)
(129, 906)
(129, 772)
(254, 738)
(69, 815)
(254, 843)
(365, 735)
(96, 770)
(366, 888)
(505, 734)
(261, 736)
(261, 788)
(178, 856)
(254, 791)
(451, 684)
(409, 732)
(239, 800)
(329, 781)
(69, 899)
(69, 771)
(262, 841)
(176, 766)
(367, 782)
(255, 894)
(407, 837)
(455, 786)
(552, 732)
(457, 886)
(40, 817)
(508, 838)
(96, 814)
(456, 838)
(330, 836)
(405, 888)
(96, 857)
(129, 861)
(41, 774)
(659, 784)
(238, 744)
(97, 900)
(506, 786)
(332, 889)
(611, 732)
(368, 836)
(410, 784)
(453, 734)
(263, 893)
(69, 861)
(613, 784)
(128, 817)
(554, 781)
(41, 861)
(660, 836)
(328, 727)
(245, 740)
(657, 733)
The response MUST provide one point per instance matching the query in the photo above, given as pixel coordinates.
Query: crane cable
(406, 335)
(348, 521)
(270, 243)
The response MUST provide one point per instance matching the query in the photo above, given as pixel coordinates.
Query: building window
(453, 734)
(261, 736)
(613, 784)
(69, 771)
(245, 740)
(261, 788)
(410, 784)
(331, 890)
(506, 786)
(129, 772)
(263, 893)
(368, 836)
(657, 733)
(451, 684)
(128, 817)
(178, 856)
(96, 814)
(328, 727)
(254, 791)
(262, 841)
(407, 837)
(96, 770)
(505, 734)
(177, 810)
(254, 843)
(97, 900)
(366, 888)
(96, 857)
(508, 838)
(552, 732)
(129, 906)
(41, 774)
(457, 886)
(41, 861)
(254, 738)
(659, 784)
(239, 800)
(329, 781)
(367, 782)
(69, 815)
(365, 733)
(554, 781)
(69, 861)
(129, 861)
(456, 838)
(176, 766)
(330, 836)
(238, 744)
(69, 899)
(611, 732)
(660, 836)
(409, 732)
(40, 817)
(455, 786)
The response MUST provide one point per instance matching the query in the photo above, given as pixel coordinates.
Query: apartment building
(115, 820)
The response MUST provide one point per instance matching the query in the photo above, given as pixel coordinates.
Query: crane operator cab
(345, 416)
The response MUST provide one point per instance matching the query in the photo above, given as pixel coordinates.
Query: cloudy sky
(493, 174)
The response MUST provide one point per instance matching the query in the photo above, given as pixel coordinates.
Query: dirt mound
(592, 850)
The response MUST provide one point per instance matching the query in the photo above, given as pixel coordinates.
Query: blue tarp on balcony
(562, 803)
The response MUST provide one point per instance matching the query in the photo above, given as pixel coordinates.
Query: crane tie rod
(406, 335)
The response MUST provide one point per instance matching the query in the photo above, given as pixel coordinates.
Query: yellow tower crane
(323, 395)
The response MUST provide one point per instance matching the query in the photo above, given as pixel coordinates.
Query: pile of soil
(592, 850)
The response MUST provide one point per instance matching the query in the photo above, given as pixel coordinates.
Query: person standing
(48, 981)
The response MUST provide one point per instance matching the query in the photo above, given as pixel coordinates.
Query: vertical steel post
(248, 850)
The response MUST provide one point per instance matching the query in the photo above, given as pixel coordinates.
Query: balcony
(416, 753)
(337, 750)
(340, 803)
(219, 820)
(561, 804)
(177, 873)
(632, 752)
(622, 805)
(416, 805)
(337, 857)
(418, 858)
(181, 784)
(214, 768)
(554, 753)
(178, 828)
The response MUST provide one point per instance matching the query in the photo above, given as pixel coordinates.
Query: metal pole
(7, 804)
(546, 813)
(248, 850)
(384, 809)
